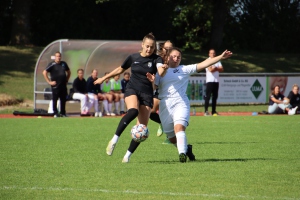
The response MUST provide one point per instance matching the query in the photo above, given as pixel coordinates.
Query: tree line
(260, 25)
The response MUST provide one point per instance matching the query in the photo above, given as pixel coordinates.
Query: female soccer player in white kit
(174, 104)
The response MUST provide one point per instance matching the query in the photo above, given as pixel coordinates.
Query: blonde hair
(295, 85)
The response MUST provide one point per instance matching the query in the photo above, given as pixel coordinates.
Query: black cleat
(182, 157)
(189, 153)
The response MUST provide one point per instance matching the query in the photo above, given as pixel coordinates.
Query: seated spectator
(278, 103)
(80, 92)
(106, 90)
(125, 80)
(94, 93)
(294, 96)
(116, 89)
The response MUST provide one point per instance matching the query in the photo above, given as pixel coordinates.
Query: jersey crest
(149, 64)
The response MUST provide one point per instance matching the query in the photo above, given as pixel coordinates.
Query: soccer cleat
(167, 141)
(215, 114)
(99, 114)
(159, 131)
(293, 111)
(206, 113)
(182, 157)
(55, 116)
(122, 113)
(110, 148)
(125, 160)
(96, 114)
(189, 153)
(112, 114)
(63, 115)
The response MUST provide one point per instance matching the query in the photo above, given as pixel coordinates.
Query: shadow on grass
(214, 160)
(226, 142)
(18, 61)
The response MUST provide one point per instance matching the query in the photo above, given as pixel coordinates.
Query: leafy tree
(20, 29)
(266, 25)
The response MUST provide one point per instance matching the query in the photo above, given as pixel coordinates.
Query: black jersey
(139, 68)
(58, 73)
(91, 87)
(79, 86)
(294, 99)
(278, 97)
(124, 84)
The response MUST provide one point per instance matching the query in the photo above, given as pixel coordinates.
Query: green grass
(237, 158)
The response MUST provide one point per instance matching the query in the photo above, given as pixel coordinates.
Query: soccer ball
(139, 133)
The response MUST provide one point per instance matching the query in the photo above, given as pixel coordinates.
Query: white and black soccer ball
(139, 133)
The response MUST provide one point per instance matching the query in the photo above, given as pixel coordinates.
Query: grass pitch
(238, 157)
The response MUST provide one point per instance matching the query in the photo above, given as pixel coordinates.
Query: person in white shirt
(174, 104)
(212, 84)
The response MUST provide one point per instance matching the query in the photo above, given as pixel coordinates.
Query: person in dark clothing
(139, 90)
(294, 97)
(80, 92)
(125, 80)
(60, 74)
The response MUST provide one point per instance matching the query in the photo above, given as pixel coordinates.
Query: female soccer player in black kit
(139, 90)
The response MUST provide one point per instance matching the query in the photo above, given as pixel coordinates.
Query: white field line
(149, 193)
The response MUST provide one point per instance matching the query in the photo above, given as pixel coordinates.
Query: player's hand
(53, 83)
(226, 54)
(99, 81)
(165, 66)
(150, 77)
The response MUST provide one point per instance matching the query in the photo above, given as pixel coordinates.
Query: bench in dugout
(48, 99)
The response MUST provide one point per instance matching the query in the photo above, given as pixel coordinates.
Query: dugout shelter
(103, 55)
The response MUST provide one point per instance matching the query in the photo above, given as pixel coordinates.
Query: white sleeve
(189, 69)
(158, 65)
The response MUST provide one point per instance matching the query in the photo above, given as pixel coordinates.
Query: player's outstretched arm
(209, 62)
(117, 71)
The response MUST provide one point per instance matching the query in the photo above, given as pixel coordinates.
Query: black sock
(131, 115)
(133, 146)
(155, 117)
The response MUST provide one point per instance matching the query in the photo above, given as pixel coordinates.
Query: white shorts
(174, 111)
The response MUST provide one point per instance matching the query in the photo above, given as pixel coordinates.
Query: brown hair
(173, 49)
(273, 90)
(150, 36)
(79, 70)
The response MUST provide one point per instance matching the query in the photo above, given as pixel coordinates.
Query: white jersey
(175, 81)
(213, 76)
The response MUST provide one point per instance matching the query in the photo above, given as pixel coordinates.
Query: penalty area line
(140, 192)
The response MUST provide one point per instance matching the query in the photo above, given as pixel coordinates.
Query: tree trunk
(20, 34)
(218, 23)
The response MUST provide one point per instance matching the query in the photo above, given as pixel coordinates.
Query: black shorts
(144, 99)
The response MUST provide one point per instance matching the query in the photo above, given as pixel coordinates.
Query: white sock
(105, 106)
(117, 104)
(181, 142)
(115, 139)
(128, 154)
(109, 107)
(122, 105)
(96, 105)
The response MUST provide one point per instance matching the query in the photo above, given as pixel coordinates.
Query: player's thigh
(132, 102)
(166, 117)
(181, 115)
(144, 114)
(155, 104)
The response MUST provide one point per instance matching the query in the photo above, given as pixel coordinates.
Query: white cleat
(110, 148)
(125, 160)
(293, 111)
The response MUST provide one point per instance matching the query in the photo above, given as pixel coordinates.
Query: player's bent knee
(133, 112)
